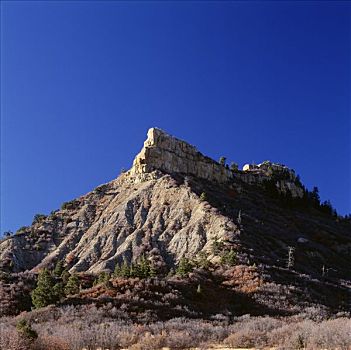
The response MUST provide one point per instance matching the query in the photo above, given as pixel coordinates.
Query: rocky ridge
(168, 154)
(157, 208)
(147, 209)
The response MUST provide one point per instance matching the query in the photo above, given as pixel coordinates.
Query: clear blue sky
(81, 82)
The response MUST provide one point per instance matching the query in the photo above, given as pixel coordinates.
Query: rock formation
(156, 209)
(170, 155)
(175, 202)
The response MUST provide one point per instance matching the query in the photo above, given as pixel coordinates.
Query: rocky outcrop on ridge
(164, 152)
(170, 155)
(175, 202)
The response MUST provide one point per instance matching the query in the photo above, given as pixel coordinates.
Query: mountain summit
(176, 203)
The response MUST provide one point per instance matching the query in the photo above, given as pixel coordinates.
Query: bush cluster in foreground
(89, 327)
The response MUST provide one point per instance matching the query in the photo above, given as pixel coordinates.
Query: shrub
(242, 339)
(217, 246)
(331, 334)
(203, 197)
(38, 218)
(10, 339)
(25, 329)
(229, 258)
(69, 205)
(22, 229)
(48, 342)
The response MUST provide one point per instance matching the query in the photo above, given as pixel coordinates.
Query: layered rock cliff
(170, 155)
(175, 202)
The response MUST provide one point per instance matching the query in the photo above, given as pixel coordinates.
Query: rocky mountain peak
(165, 153)
(176, 204)
(168, 154)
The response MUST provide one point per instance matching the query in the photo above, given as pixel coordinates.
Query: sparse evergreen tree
(59, 268)
(184, 267)
(298, 181)
(153, 271)
(103, 277)
(59, 290)
(44, 294)
(315, 196)
(142, 268)
(73, 285)
(125, 269)
(117, 270)
(65, 275)
(234, 166)
(202, 261)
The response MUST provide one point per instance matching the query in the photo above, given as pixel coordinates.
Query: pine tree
(59, 290)
(59, 268)
(72, 286)
(152, 272)
(142, 268)
(184, 267)
(202, 261)
(315, 196)
(103, 277)
(234, 166)
(65, 276)
(125, 269)
(117, 271)
(44, 294)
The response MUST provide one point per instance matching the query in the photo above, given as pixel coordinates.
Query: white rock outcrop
(170, 155)
(164, 152)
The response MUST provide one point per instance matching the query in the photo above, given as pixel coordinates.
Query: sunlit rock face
(168, 154)
(145, 210)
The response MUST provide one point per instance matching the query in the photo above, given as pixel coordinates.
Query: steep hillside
(175, 203)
